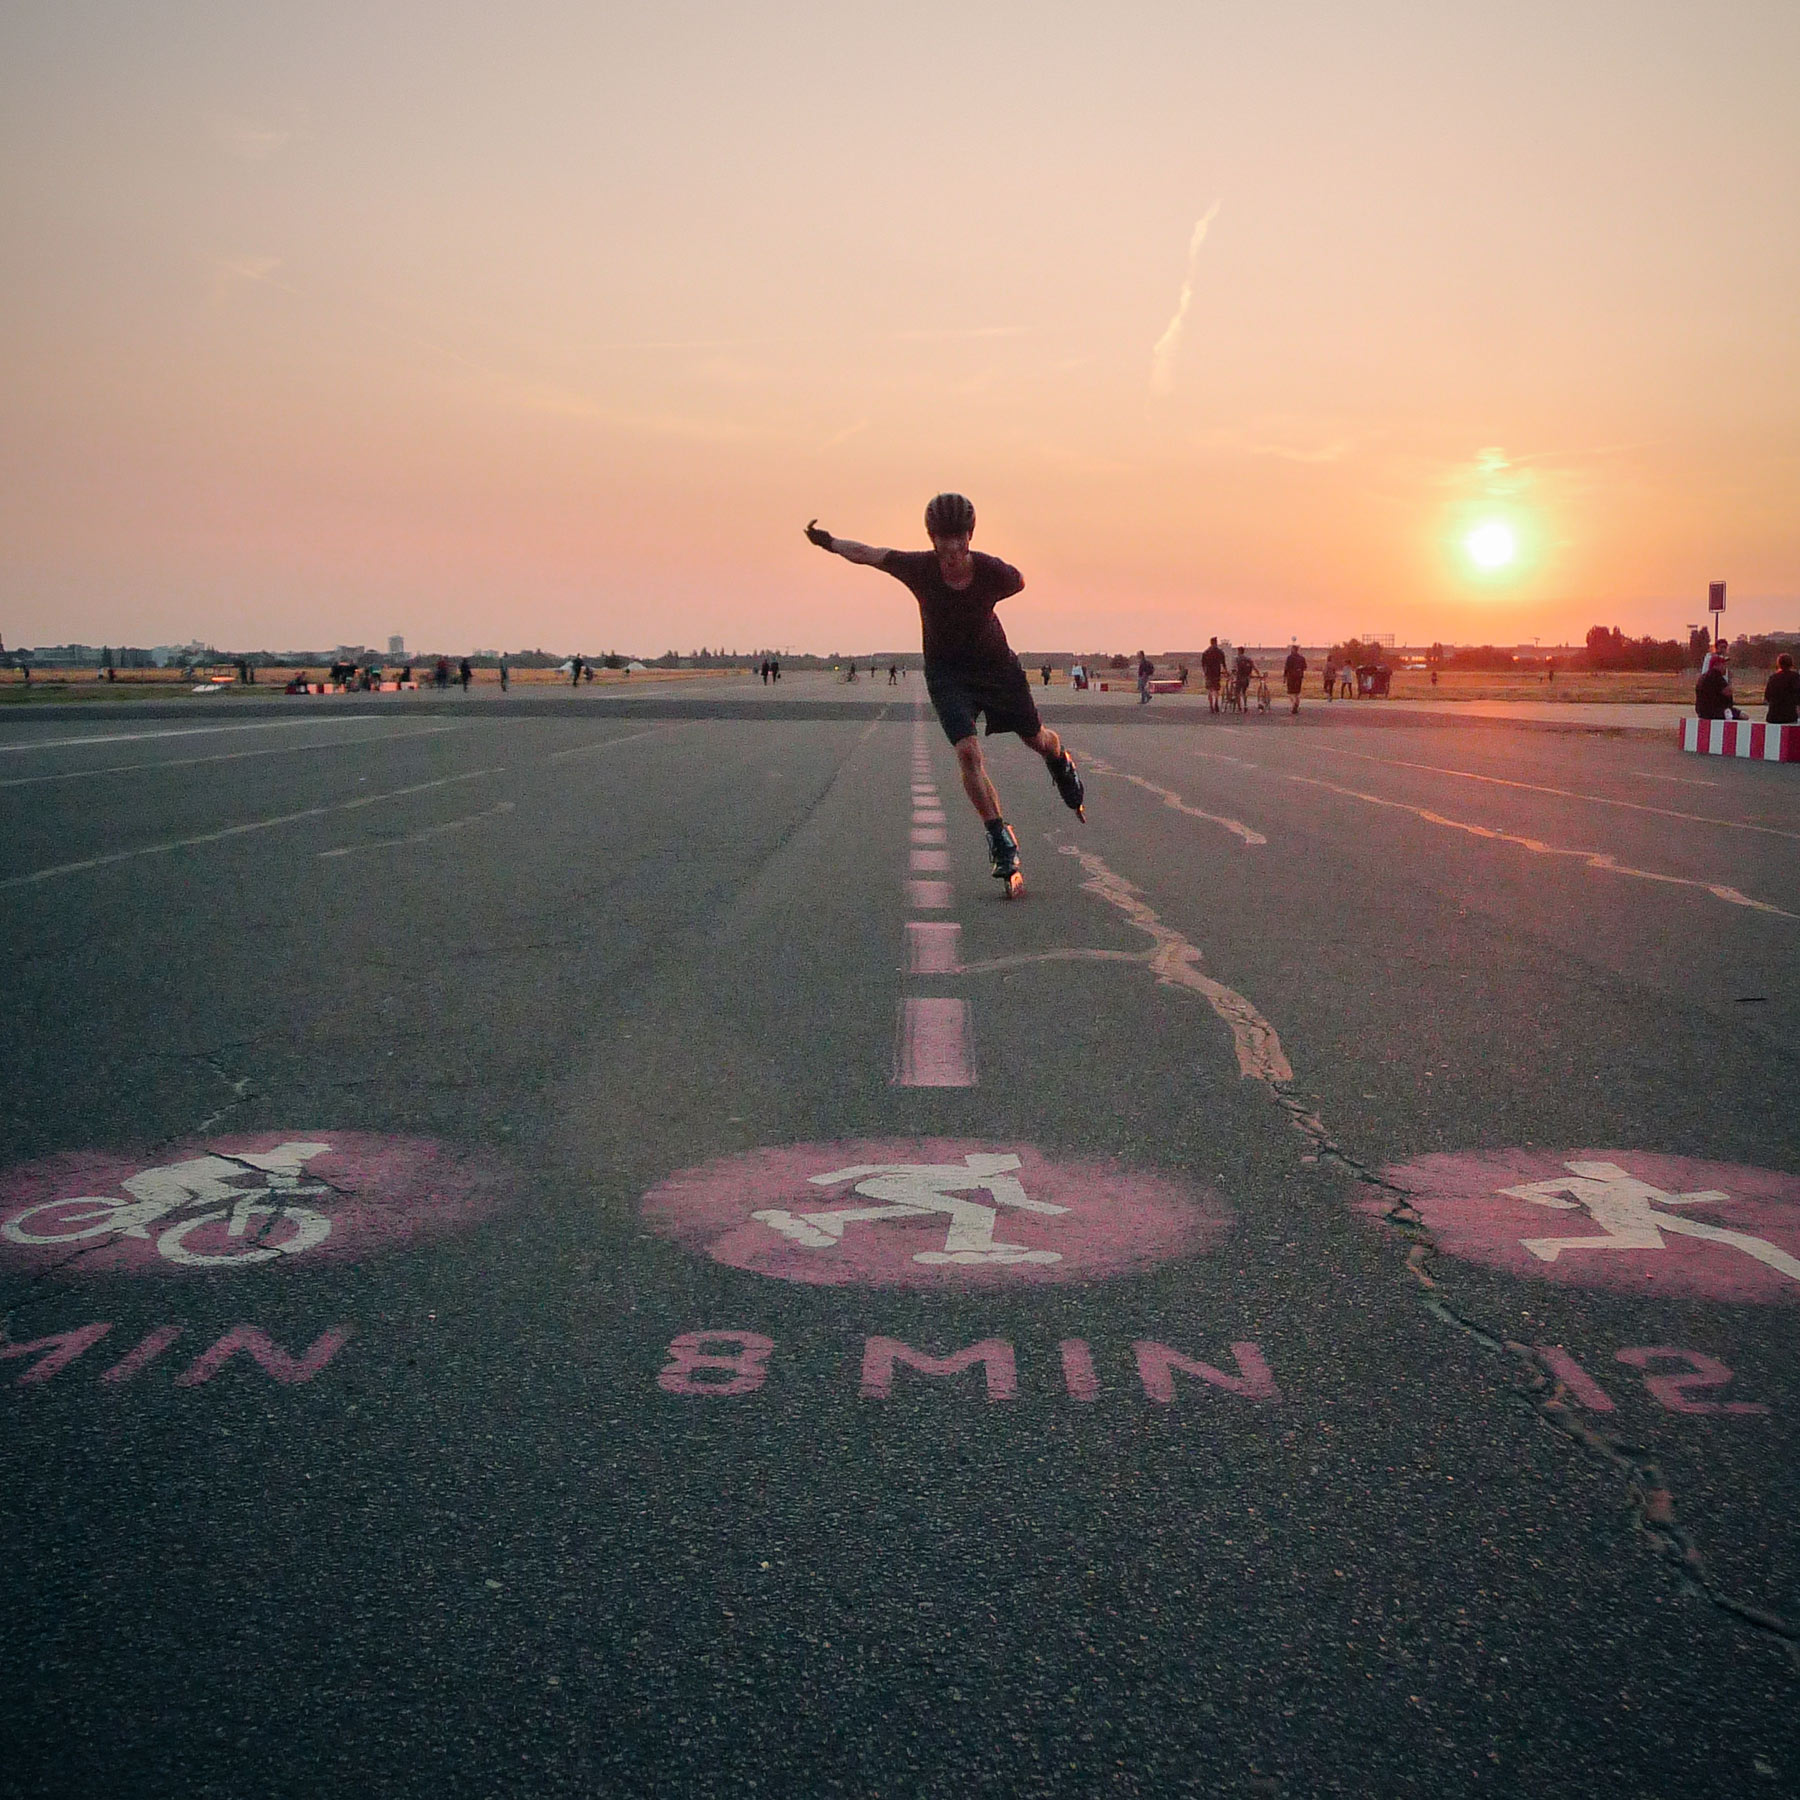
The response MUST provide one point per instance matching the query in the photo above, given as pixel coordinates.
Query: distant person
(1550, 670)
(587, 672)
(1347, 681)
(505, 675)
(893, 674)
(1434, 673)
(1782, 694)
(775, 669)
(465, 674)
(575, 672)
(970, 669)
(1212, 666)
(1242, 674)
(1181, 675)
(762, 669)
(1330, 675)
(1145, 669)
(1045, 673)
(1293, 672)
(441, 674)
(1712, 692)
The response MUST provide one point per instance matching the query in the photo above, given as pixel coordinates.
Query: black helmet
(949, 515)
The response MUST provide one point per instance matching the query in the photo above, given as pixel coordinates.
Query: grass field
(146, 684)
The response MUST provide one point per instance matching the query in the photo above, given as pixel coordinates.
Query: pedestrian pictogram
(930, 1213)
(917, 1190)
(1615, 1219)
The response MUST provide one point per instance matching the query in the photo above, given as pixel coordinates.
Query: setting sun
(1491, 546)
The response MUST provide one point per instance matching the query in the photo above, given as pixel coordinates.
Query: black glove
(816, 536)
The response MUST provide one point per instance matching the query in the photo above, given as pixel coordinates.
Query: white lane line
(429, 831)
(934, 1047)
(1175, 963)
(933, 947)
(1679, 780)
(630, 737)
(1534, 787)
(928, 896)
(928, 862)
(194, 762)
(929, 834)
(1602, 861)
(139, 737)
(1095, 765)
(231, 831)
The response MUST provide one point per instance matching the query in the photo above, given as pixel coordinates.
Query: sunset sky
(554, 324)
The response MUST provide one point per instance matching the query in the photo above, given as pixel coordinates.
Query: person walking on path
(970, 669)
(575, 672)
(1242, 674)
(505, 675)
(1293, 672)
(1146, 668)
(1212, 666)
(1782, 693)
(464, 674)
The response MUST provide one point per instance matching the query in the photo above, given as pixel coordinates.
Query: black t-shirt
(959, 623)
(1782, 697)
(1212, 660)
(1712, 693)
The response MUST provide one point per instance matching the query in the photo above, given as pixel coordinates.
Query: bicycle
(203, 1181)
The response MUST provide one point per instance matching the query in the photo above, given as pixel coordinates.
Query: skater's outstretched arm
(848, 548)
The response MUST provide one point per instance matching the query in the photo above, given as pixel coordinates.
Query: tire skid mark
(428, 831)
(1095, 765)
(1536, 787)
(1175, 963)
(1651, 1503)
(1602, 861)
(231, 831)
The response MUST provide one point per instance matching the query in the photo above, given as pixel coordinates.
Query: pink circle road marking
(1627, 1221)
(931, 1213)
(296, 1197)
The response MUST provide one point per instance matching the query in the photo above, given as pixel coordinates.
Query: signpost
(1715, 604)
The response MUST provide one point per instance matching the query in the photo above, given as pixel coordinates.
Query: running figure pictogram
(970, 668)
(917, 1190)
(1625, 1209)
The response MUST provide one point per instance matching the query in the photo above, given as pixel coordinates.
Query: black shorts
(1000, 690)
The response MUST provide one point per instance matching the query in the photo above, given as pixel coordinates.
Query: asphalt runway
(728, 1305)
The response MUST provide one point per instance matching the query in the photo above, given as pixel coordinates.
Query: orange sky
(555, 323)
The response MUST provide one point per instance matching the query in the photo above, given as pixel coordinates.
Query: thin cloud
(960, 334)
(249, 140)
(1168, 346)
(844, 436)
(231, 271)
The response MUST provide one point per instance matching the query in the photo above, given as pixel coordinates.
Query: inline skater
(970, 668)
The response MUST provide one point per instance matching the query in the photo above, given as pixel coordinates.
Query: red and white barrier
(1741, 737)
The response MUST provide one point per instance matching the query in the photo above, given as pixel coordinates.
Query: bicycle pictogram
(221, 1211)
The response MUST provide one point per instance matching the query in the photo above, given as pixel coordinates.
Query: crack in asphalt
(1650, 1500)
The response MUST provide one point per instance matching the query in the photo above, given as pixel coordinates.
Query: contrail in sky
(1168, 346)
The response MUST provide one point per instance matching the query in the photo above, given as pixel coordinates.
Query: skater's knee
(968, 753)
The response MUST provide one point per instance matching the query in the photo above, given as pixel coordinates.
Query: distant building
(396, 645)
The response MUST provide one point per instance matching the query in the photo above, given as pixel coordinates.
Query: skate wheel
(1015, 886)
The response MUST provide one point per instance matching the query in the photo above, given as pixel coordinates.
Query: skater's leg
(977, 783)
(1047, 744)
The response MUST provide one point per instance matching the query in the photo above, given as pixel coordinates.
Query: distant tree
(1699, 642)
